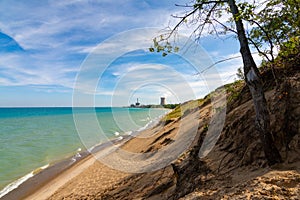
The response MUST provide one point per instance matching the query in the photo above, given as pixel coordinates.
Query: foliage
(201, 16)
(280, 19)
(289, 55)
(290, 48)
(165, 48)
(271, 24)
(170, 106)
(276, 23)
(173, 114)
(233, 90)
(240, 74)
(182, 109)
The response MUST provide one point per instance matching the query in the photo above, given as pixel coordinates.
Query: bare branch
(206, 21)
(196, 8)
(220, 61)
(216, 31)
(181, 21)
(185, 6)
(258, 49)
(209, 2)
(224, 26)
(177, 17)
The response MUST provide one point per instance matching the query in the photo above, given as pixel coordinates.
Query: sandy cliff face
(235, 168)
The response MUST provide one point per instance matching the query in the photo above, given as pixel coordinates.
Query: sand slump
(134, 162)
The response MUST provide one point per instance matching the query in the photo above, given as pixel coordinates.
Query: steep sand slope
(235, 169)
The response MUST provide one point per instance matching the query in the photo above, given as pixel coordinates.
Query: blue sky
(43, 45)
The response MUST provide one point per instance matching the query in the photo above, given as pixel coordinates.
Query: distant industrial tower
(137, 104)
(162, 101)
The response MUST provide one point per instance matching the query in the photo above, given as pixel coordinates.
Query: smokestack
(162, 101)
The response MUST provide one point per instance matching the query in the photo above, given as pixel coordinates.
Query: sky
(94, 53)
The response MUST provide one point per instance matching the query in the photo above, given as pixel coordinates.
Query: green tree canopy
(276, 23)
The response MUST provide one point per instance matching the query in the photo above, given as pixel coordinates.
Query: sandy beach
(88, 173)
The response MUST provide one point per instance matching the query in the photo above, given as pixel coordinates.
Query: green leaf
(151, 49)
(176, 49)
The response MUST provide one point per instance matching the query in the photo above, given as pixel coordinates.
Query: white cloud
(57, 35)
(63, 22)
(53, 33)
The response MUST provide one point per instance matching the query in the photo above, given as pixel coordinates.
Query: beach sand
(88, 177)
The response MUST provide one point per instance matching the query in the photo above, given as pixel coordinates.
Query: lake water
(34, 137)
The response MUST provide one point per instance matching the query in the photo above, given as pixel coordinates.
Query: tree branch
(185, 6)
(220, 61)
(196, 8)
(258, 49)
(206, 21)
(209, 2)
(268, 38)
(180, 22)
(224, 26)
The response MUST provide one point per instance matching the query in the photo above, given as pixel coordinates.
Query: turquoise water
(33, 137)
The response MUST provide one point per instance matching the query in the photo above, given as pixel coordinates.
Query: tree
(275, 28)
(278, 25)
(254, 82)
(206, 15)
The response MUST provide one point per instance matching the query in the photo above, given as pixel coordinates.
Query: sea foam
(15, 184)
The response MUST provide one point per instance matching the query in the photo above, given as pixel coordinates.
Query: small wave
(117, 133)
(149, 124)
(38, 170)
(93, 147)
(15, 184)
(146, 119)
(120, 138)
(74, 158)
(21, 180)
(128, 132)
(154, 121)
(45, 166)
(78, 155)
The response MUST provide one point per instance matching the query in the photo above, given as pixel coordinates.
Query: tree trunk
(254, 82)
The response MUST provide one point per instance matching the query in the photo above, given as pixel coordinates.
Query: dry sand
(88, 174)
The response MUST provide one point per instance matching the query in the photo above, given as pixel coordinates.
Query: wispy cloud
(55, 37)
